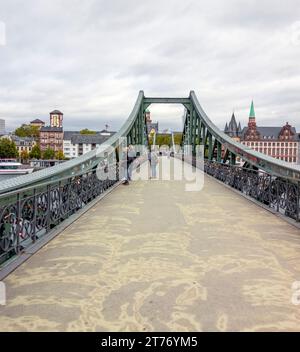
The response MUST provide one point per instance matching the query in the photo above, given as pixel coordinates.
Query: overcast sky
(90, 58)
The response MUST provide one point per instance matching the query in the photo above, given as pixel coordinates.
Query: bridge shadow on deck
(151, 256)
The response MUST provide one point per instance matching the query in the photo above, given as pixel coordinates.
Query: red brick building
(279, 142)
(53, 136)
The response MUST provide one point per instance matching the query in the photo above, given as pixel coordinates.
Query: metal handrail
(90, 160)
(72, 167)
(262, 161)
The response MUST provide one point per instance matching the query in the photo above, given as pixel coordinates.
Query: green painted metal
(210, 146)
(134, 129)
(226, 155)
(184, 101)
(252, 111)
(219, 152)
(76, 166)
(232, 158)
(261, 161)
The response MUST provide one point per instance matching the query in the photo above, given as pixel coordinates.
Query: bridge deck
(151, 256)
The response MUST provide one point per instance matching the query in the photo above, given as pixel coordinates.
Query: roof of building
(270, 132)
(25, 139)
(233, 129)
(233, 124)
(51, 129)
(252, 111)
(90, 138)
(38, 121)
(57, 112)
(69, 134)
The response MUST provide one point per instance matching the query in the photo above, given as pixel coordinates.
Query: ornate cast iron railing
(29, 214)
(280, 194)
(31, 205)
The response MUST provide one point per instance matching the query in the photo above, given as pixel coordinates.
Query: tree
(35, 152)
(49, 154)
(177, 138)
(60, 155)
(163, 139)
(8, 149)
(24, 155)
(27, 131)
(87, 131)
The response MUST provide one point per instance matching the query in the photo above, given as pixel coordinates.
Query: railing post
(68, 183)
(18, 227)
(59, 201)
(48, 208)
(81, 191)
(277, 194)
(210, 146)
(219, 152)
(34, 216)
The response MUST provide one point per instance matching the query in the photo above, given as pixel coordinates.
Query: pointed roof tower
(252, 111)
(226, 128)
(252, 120)
(233, 125)
(239, 127)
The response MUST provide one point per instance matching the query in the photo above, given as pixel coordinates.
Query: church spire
(252, 111)
(252, 120)
(226, 128)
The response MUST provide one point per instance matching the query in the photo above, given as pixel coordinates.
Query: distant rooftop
(68, 135)
(270, 132)
(38, 121)
(56, 112)
(90, 138)
(26, 139)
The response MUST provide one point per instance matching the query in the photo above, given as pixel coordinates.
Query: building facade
(24, 144)
(152, 127)
(278, 142)
(53, 136)
(76, 144)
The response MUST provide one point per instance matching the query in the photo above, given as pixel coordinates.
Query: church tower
(252, 132)
(252, 119)
(56, 119)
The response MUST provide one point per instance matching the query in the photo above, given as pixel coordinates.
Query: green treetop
(87, 131)
(8, 149)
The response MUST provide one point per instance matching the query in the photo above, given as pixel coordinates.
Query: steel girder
(198, 129)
